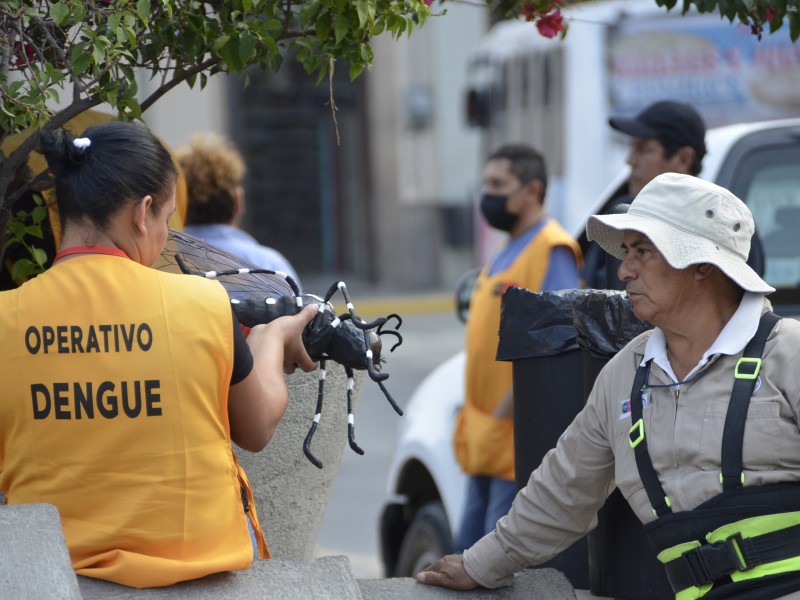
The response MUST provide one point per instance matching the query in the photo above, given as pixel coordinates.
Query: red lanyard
(89, 250)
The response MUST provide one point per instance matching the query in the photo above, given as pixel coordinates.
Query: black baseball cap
(667, 121)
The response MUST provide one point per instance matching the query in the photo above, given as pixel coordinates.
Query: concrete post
(291, 493)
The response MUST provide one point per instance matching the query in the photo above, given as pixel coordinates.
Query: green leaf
(143, 10)
(323, 28)
(356, 69)
(247, 47)
(59, 13)
(97, 54)
(39, 214)
(39, 256)
(22, 268)
(273, 27)
(220, 42)
(728, 9)
(794, 25)
(16, 229)
(113, 23)
(341, 29)
(34, 231)
(363, 8)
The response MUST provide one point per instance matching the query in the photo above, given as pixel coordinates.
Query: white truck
(604, 67)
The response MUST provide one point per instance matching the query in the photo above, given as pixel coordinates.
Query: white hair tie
(82, 143)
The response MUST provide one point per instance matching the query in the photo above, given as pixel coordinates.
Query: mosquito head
(375, 345)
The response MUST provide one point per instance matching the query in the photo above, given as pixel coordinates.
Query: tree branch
(152, 98)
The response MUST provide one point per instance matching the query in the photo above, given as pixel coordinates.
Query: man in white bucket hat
(694, 421)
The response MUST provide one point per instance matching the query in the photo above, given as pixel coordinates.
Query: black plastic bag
(604, 322)
(537, 323)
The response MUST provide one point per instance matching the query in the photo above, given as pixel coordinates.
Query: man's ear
(684, 157)
(535, 189)
(704, 270)
(139, 215)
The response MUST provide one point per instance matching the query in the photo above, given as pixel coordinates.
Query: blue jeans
(488, 499)
(252, 538)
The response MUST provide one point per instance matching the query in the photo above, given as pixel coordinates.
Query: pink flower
(769, 13)
(551, 24)
(24, 54)
(428, 2)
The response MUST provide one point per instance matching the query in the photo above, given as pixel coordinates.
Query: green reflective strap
(755, 526)
(693, 592)
(639, 425)
(757, 368)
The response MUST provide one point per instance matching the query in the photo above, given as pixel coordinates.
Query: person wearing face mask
(538, 255)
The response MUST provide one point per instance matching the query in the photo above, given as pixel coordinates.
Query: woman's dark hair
(108, 166)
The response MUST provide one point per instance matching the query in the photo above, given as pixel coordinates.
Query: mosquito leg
(317, 416)
(351, 428)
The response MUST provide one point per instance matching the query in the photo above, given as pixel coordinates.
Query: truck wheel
(427, 540)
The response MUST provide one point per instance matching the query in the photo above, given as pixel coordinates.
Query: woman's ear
(140, 210)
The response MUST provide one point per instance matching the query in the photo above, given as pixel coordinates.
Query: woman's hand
(258, 402)
(289, 331)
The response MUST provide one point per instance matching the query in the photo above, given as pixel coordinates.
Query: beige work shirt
(684, 436)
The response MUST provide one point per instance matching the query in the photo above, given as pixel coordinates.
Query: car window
(769, 183)
(765, 173)
(774, 200)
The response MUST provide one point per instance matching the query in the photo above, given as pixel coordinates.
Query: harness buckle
(636, 433)
(734, 545)
(756, 362)
(711, 562)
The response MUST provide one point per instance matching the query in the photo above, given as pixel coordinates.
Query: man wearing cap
(666, 137)
(695, 421)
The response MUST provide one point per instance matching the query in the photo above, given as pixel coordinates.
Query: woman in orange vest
(125, 385)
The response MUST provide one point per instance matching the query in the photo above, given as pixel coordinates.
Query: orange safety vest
(484, 445)
(115, 410)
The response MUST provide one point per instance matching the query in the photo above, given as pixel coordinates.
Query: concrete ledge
(530, 584)
(327, 578)
(34, 562)
(35, 565)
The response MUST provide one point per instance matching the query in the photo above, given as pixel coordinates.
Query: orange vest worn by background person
(483, 444)
(115, 409)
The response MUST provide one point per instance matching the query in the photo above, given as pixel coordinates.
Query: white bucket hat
(691, 221)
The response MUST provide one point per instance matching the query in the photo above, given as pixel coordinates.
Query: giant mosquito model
(261, 295)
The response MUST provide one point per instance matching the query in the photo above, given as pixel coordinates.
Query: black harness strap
(647, 472)
(711, 562)
(747, 370)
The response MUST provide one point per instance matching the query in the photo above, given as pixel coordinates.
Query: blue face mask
(493, 209)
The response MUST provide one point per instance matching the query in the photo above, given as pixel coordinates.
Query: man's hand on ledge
(447, 572)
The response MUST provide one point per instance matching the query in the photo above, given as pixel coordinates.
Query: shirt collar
(731, 340)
